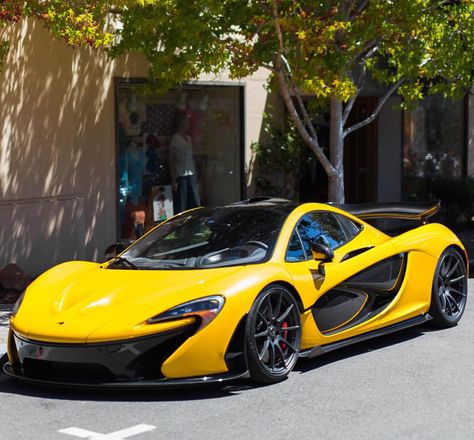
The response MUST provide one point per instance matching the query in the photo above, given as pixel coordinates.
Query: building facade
(88, 154)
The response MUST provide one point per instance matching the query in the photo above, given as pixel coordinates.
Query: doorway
(360, 154)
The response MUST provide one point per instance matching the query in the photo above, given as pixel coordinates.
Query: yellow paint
(96, 304)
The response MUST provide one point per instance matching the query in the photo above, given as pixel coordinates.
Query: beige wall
(57, 147)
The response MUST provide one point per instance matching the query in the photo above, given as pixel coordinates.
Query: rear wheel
(449, 293)
(272, 335)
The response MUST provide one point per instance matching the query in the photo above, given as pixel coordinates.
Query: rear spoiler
(404, 210)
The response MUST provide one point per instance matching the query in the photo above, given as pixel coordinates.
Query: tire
(272, 335)
(449, 292)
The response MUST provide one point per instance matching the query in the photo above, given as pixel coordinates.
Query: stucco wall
(57, 147)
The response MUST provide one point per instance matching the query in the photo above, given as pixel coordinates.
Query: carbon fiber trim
(130, 385)
(123, 361)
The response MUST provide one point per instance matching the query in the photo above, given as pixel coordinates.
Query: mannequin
(132, 114)
(135, 162)
(138, 219)
(182, 167)
(135, 209)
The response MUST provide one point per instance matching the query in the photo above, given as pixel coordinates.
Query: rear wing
(403, 210)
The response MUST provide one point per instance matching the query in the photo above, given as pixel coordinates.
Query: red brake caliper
(284, 334)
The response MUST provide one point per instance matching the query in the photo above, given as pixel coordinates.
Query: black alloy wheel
(449, 294)
(273, 335)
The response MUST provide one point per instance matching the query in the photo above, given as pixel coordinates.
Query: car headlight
(17, 305)
(204, 308)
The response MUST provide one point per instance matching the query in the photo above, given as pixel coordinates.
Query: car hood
(85, 302)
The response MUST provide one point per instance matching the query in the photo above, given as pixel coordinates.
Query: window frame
(123, 82)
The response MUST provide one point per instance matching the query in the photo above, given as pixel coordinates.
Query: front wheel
(272, 335)
(449, 293)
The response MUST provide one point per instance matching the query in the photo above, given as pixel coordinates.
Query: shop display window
(434, 145)
(175, 151)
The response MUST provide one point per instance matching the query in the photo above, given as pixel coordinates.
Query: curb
(5, 310)
(3, 356)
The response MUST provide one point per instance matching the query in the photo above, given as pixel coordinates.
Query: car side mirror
(117, 248)
(323, 254)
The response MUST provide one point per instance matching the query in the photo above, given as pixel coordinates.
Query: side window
(295, 250)
(320, 227)
(350, 228)
(323, 227)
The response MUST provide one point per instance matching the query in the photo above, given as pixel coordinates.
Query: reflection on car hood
(83, 302)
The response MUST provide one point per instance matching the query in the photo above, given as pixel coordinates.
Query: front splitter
(131, 385)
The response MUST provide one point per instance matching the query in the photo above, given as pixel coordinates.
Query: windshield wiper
(124, 260)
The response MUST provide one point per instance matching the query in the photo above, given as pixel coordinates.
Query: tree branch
(368, 51)
(370, 48)
(376, 111)
(270, 67)
(299, 100)
(348, 108)
(350, 103)
(438, 5)
(115, 11)
(359, 9)
(312, 142)
(348, 6)
(303, 110)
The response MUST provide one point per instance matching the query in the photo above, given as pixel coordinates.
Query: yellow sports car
(242, 290)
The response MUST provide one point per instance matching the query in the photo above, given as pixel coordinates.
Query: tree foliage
(279, 159)
(76, 22)
(425, 43)
(324, 48)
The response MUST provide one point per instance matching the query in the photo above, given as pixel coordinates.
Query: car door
(345, 298)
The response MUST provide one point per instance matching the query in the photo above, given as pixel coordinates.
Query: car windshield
(208, 238)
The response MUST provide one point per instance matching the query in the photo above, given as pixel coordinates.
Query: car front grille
(130, 360)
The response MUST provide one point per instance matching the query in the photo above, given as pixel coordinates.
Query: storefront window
(175, 152)
(433, 145)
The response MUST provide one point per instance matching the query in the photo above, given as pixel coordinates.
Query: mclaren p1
(243, 290)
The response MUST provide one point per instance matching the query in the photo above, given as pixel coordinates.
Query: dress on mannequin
(183, 169)
(135, 160)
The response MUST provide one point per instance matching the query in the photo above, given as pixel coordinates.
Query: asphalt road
(417, 384)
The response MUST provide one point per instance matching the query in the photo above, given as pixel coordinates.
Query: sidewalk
(4, 318)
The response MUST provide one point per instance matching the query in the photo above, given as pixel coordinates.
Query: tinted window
(315, 227)
(295, 250)
(350, 228)
(213, 237)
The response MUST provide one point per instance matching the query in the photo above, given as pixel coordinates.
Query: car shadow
(11, 386)
(361, 348)
(202, 392)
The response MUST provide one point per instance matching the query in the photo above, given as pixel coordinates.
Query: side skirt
(326, 348)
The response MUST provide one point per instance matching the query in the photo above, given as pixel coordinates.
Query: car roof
(265, 201)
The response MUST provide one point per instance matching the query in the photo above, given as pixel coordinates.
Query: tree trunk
(336, 149)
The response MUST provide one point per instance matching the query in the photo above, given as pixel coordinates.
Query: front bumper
(127, 364)
(133, 385)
